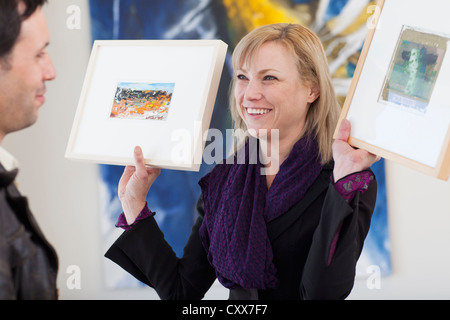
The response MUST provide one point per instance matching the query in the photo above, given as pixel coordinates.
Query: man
(28, 263)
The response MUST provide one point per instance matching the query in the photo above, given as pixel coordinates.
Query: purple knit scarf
(238, 206)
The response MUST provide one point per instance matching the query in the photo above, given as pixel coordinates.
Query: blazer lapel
(276, 227)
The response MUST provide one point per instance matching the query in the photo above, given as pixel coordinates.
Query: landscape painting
(142, 101)
(414, 69)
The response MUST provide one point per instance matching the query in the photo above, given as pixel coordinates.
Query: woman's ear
(314, 93)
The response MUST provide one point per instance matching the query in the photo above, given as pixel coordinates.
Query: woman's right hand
(134, 186)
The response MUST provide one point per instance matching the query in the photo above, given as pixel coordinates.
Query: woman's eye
(241, 77)
(270, 78)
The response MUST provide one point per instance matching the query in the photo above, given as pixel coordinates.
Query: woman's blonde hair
(313, 69)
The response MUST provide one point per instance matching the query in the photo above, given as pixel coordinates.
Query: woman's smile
(257, 111)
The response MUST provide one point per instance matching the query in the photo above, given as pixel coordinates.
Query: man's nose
(49, 69)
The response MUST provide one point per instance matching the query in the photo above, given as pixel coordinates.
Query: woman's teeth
(257, 111)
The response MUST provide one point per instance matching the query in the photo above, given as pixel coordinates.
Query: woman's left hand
(347, 159)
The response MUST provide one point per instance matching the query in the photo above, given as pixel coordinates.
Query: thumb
(139, 160)
(344, 130)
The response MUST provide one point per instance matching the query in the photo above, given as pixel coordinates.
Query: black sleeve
(7, 291)
(143, 252)
(321, 280)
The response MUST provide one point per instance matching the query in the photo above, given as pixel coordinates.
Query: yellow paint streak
(248, 15)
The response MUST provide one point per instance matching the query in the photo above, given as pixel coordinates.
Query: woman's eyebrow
(268, 70)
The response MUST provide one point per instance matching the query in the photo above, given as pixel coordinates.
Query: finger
(369, 158)
(126, 175)
(153, 170)
(141, 170)
(344, 130)
(128, 171)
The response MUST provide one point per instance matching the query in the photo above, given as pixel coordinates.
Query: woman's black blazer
(301, 239)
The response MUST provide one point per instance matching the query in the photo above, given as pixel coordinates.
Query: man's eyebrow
(44, 46)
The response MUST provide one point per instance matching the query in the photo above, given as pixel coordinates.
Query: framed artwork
(398, 102)
(157, 94)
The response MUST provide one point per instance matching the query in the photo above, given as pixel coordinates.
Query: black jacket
(300, 239)
(28, 263)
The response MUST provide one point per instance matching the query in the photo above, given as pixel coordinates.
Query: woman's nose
(253, 91)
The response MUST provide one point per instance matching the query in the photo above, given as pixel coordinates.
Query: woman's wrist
(122, 221)
(345, 169)
(132, 208)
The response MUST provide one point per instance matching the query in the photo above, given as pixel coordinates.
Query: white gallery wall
(64, 195)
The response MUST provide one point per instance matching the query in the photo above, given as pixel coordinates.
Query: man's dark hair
(11, 21)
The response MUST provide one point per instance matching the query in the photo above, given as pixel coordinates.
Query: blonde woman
(292, 233)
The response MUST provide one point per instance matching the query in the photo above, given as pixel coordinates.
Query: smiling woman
(301, 81)
(275, 97)
(295, 233)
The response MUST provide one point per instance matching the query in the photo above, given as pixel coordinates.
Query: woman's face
(269, 93)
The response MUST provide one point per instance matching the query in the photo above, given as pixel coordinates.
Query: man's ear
(314, 93)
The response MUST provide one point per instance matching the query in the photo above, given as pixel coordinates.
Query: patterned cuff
(349, 185)
(122, 221)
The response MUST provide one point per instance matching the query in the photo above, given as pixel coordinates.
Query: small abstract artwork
(136, 100)
(414, 69)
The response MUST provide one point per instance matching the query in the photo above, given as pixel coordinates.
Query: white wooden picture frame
(156, 94)
(398, 103)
